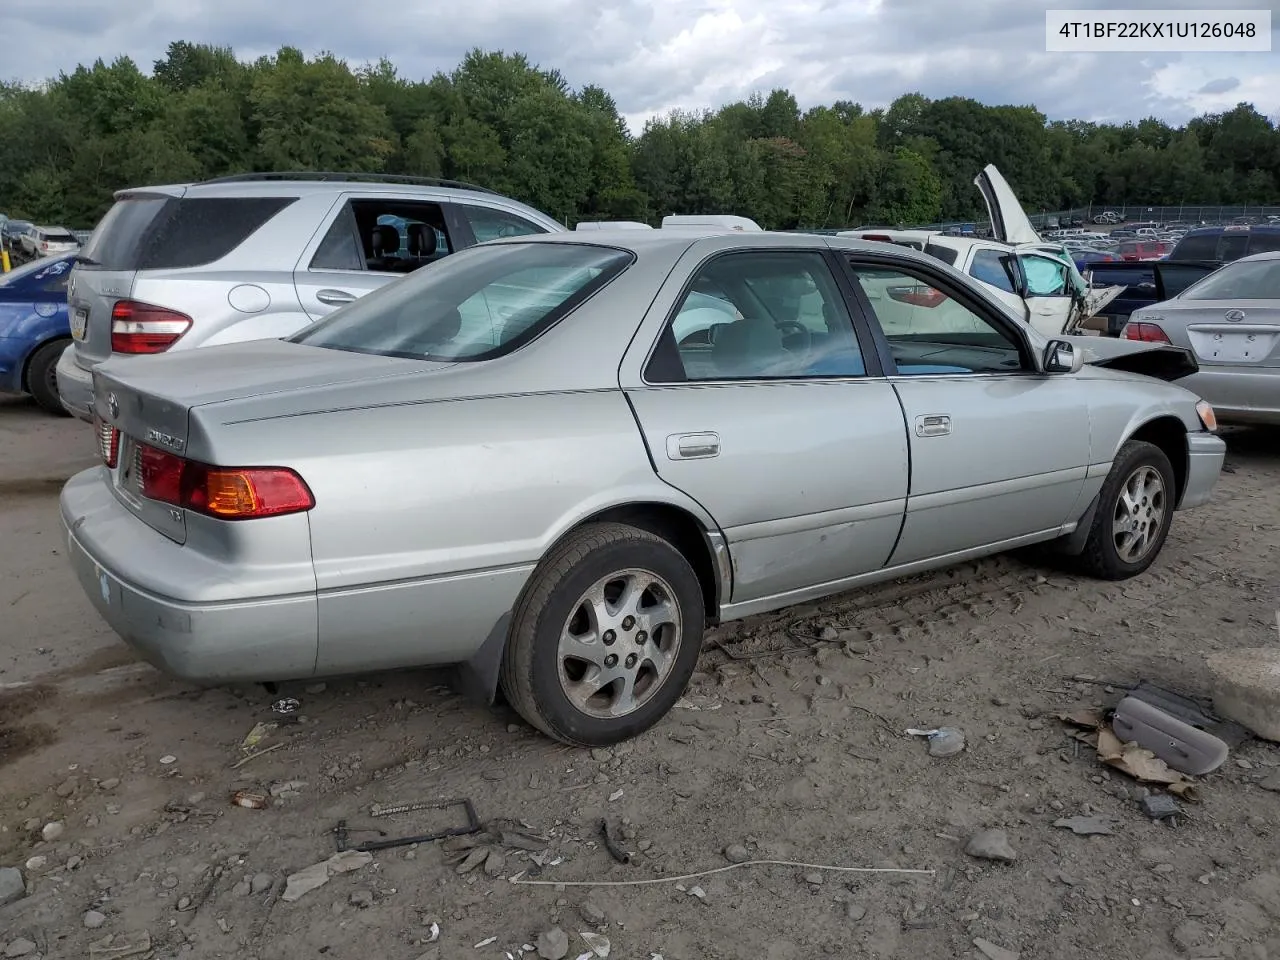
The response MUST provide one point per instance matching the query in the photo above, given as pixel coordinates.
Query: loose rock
(316, 688)
(12, 886)
(361, 898)
(109, 784)
(241, 889)
(737, 853)
(813, 878)
(21, 947)
(553, 944)
(52, 831)
(991, 845)
(593, 914)
(854, 912)
(494, 863)
(1271, 782)
(260, 883)
(93, 919)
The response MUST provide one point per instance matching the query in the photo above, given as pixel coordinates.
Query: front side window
(989, 267)
(1248, 280)
(759, 316)
(929, 332)
(479, 304)
(490, 224)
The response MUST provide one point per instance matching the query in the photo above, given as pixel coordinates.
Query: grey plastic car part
(1183, 747)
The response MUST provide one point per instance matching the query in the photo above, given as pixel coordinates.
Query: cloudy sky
(656, 55)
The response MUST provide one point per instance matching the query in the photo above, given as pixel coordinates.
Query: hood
(1009, 223)
(1158, 360)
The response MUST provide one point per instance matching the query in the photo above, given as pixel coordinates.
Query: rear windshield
(60, 237)
(1202, 246)
(1250, 280)
(474, 305)
(151, 232)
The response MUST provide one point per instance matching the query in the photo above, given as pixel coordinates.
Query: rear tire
(605, 637)
(42, 380)
(1135, 510)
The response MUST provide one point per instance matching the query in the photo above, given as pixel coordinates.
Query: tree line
(503, 122)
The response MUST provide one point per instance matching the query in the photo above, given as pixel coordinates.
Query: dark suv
(1225, 244)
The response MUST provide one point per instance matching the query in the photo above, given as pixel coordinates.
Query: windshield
(478, 304)
(1242, 280)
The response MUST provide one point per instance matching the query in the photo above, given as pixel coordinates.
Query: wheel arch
(25, 381)
(1168, 433)
(699, 541)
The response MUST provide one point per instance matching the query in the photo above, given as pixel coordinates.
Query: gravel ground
(798, 755)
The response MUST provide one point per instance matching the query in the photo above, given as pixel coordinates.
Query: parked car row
(29, 240)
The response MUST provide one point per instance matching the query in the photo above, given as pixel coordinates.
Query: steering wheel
(796, 337)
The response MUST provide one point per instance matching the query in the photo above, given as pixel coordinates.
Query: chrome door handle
(933, 425)
(335, 298)
(692, 446)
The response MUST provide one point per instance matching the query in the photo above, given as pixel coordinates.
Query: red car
(1144, 249)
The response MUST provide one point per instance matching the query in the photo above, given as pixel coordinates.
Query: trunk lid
(106, 269)
(149, 400)
(1231, 332)
(1009, 222)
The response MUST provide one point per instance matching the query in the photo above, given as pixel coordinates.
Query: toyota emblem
(1235, 316)
(113, 405)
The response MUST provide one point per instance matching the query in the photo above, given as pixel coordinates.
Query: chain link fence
(1188, 214)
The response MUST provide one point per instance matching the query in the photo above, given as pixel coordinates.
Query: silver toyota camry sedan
(553, 461)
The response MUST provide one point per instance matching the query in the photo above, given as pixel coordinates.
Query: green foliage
(504, 122)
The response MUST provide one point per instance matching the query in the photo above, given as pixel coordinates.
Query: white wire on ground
(706, 873)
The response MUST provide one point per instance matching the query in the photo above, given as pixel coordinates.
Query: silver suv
(259, 256)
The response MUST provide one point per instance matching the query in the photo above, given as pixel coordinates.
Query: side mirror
(1062, 357)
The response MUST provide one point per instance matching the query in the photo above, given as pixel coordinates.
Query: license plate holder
(79, 323)
(1233, 346)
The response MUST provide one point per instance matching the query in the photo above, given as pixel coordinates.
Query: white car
(1043, 285)
(49, 241)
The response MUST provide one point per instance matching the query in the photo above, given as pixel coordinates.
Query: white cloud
(659, 55)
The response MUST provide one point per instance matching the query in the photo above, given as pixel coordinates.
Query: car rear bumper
(75, 385)
(256, 639)
(1205, 453)
(1239, 394)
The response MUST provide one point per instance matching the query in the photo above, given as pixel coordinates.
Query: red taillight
(228, 493)
(143, 328)
(1145, 331)
(918, 296)
(44, 246)
(108, 442)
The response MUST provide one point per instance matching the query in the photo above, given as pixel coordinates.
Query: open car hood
(1009, 222)
(1159, 360)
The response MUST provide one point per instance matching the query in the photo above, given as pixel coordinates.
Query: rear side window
(1265, 241)
(946, 254)
(489, 224)
(1233, 246)
(1203, 246)
(475, 305)
(166, 233)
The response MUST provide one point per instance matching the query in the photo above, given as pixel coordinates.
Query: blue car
(34, 329)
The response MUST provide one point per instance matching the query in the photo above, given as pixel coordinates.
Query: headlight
(1204, 410)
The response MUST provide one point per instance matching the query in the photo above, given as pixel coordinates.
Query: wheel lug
(641, 636)
(631, 661)
(611, 660)
(609, 637)
(628, 623)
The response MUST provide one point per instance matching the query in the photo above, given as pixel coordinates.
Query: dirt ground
(797, 756)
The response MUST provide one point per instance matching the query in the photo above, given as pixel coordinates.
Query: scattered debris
(1086, 826)
(434, 934)
(286, 705)
(1179, 744)
(698, 702)
(168, 759)
(485, 942)
(697, 891)
(248, 800)
(993, 952)
(612, 842)
(257, 735)
(598, 944)
(318, 874)
(1139, 763)
(254, 756)
(991, 845)
(943, 742)
(117, 946)
(92, 919)
(472, 825)
(793, 864)
(616, 795)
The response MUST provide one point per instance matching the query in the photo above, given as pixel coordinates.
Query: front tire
(42, 380)
(1135, 510)
(605, 636)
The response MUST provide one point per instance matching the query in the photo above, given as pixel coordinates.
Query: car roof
(1234, 228)
(1265, 255)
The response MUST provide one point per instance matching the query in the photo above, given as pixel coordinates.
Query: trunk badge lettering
(113, 406)
(166, 440)
(1235, 316)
